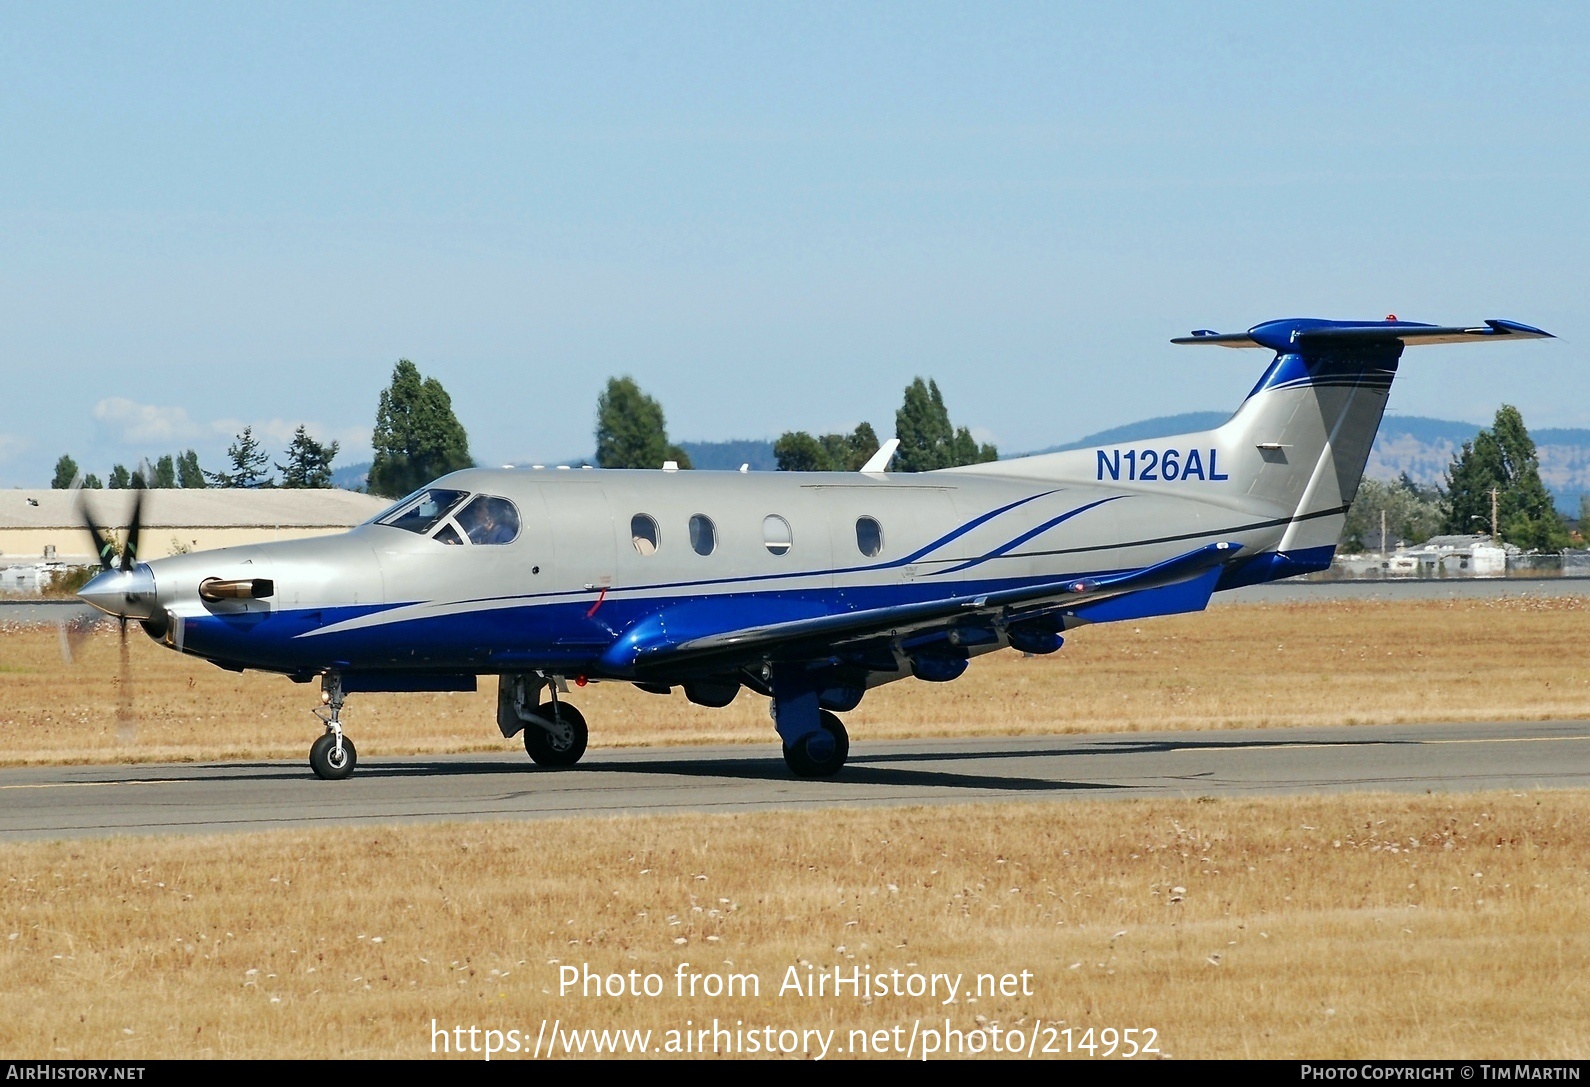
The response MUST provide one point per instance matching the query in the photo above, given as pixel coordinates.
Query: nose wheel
(332, 757)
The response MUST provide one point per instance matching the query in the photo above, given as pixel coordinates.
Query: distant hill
(1157, 427)
(1424, 449)
(351, 477)
(728, 456)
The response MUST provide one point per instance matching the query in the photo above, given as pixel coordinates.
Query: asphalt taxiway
(201, 798)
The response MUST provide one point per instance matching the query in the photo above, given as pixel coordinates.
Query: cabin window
(776, 534)
(703, 534)
(448, 535)
(869, 536)
(488, 520)
(643, 533)
(423, 510)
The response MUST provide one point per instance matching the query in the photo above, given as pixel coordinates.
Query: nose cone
(127, 594)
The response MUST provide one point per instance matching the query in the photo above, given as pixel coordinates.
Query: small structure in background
(1460, 556)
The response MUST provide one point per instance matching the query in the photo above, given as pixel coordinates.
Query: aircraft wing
(705, 632)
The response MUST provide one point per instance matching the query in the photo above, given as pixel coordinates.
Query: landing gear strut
(332, 757)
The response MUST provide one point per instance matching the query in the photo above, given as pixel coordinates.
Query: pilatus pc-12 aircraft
(807, 588)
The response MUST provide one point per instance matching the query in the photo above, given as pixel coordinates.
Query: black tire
(323, 759)
(559, 748)
(821, 754)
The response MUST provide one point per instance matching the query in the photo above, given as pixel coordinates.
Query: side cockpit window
(489, 520)
(423, 510)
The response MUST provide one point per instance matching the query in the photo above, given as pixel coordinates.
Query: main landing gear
(332, 757)
(554, 731)
(819, 754)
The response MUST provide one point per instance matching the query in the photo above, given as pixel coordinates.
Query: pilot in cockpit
(489, 520)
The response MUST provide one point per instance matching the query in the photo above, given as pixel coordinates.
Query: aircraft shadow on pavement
(863, 767)
(1118, 747)
(856, 772)
(853, 774)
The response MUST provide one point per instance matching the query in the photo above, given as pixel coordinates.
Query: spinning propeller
(124, 589)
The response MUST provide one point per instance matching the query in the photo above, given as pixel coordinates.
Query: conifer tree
(927, 440)
(417, 437)
(631, 431)
(165, 473)
(189, 474)
(248, 459)
(65, 473)
(308, 462)
(1503, 458)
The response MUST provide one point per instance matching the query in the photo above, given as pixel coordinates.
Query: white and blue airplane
(806, 588)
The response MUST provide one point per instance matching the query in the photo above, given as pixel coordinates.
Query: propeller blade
(103, 547)
(126, 723)
(129, 553)
(73, 632)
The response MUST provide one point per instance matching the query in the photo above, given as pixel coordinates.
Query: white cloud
(131, 423)
(279, 432)
(142, 426)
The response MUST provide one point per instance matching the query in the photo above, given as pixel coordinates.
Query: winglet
(879, 461)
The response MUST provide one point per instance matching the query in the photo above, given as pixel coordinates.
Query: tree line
(308, 465)
(631, 432)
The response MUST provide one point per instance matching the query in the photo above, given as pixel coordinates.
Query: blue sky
(773, 217)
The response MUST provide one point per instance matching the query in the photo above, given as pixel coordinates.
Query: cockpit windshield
(422, 510)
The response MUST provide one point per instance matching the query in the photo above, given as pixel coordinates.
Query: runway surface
(85, 801)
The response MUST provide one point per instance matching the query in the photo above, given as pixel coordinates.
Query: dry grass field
(1437, 926)
(1239, 666)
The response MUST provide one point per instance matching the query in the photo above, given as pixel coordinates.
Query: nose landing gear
(332, 757)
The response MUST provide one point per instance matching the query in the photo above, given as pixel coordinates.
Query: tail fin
(1295, 450)
(1313, 416)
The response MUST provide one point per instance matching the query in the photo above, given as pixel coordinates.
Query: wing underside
(702, 638)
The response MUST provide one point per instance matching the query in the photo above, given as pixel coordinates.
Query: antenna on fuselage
(879, 461)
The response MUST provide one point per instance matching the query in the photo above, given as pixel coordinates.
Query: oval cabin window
(643, 534)
(869, 536)
(703, 534)
(776, 534)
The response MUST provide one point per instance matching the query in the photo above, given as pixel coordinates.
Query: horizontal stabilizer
(1301, 333)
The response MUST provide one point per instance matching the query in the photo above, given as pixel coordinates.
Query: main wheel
(821, 754)
(561, 745)
(329, 764)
